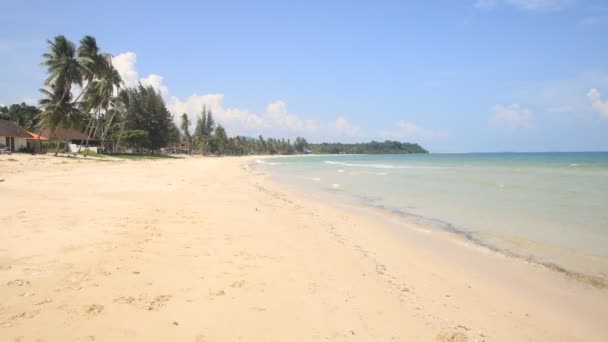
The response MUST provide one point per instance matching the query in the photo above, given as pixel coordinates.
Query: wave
(380, 166)
(260, 161)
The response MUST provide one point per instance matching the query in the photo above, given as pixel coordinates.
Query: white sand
(203, 249)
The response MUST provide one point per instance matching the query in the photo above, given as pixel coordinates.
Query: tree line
(374, 147)
(84, 91)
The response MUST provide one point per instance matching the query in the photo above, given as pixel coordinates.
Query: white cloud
(156, 82)
(597, 104)
(277, 115)
(512, 116)
(405, 130)
(124, 63)
(564, 96)
(345, 128)
(275, 121)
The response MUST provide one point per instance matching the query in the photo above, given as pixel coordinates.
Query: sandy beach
(208, 249)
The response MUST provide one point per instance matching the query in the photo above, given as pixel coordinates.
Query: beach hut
(73, 137)
(13, 136)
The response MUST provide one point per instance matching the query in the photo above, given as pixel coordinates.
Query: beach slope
(207, 249)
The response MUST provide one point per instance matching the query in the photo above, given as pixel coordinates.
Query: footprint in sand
(23, 315)
(93, 310)
(452, 336)
(44, 302)
(238, 284)
(200, 338)
(141, 302)
(156, 303)
(18, 282)
(218, 293)
(124, 300)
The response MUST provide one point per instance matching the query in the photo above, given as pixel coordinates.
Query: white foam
(335, 186)
(380, 166)
(340, 171)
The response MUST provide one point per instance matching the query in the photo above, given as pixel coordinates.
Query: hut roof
(63, 134)
(12, 129)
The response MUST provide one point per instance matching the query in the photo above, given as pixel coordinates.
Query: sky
(451, 75)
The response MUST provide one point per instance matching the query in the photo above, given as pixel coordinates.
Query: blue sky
(455, 76)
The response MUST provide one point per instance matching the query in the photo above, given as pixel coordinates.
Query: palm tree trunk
(96, 124)
(58, 142)
(103, 136)
(66, 146)
(37, 148)
(83, 90)
(87, 132)
(120, 134)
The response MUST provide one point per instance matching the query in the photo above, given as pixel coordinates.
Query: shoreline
(356, 203)
(206, 249)
(448, 244)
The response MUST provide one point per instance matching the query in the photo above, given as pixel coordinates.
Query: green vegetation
(374, 147)
(143, 109)
(24, 115)
(136, 120)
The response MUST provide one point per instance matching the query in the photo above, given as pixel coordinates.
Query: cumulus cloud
(276, 120)
(597, 104)
(405, 130)
(513, 116)
(156, 82)
(124, 63)
(277, 114)
(345, 128)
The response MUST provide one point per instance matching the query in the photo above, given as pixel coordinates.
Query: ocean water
(550, 208)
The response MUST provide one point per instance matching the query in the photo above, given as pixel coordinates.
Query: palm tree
(57, 112)
(95, 66)
(109, 84)
(185, 124)
(92, 62)
(64, 70)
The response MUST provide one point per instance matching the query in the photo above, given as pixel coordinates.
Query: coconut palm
(184, 125)
(108, 86)
(63, 66)
(58, 111)
(94, 66)
(64, 70)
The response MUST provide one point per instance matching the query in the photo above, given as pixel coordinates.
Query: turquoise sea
(550, 208)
